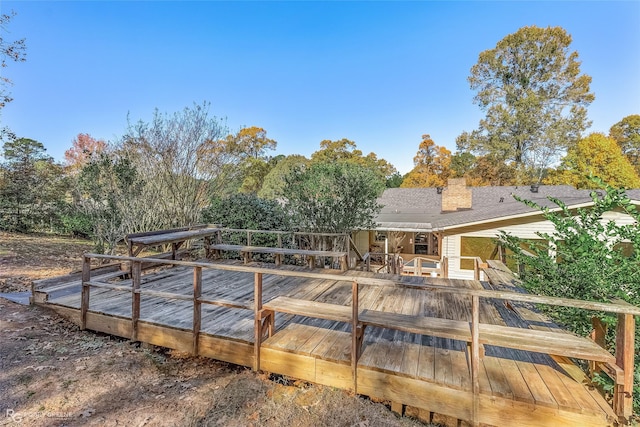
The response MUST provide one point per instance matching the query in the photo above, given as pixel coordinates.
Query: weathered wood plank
(497, 379)
(443, 400)
(410, 360)
(319, 310)
(232, 351)
(443, 328)
(517, 384)
(549, 342)
(557, 388)
(589, 400)
(426, 363)
(536, 384)
(286, 363)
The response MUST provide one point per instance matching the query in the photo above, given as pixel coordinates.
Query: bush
(77, 224)
(587, 258)
(247, 211)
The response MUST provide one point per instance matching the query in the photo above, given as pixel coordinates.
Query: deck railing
(264, 326)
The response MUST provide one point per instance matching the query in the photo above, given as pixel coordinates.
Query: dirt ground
(53, 374)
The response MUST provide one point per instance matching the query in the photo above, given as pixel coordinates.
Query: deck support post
(475, 356)
(356, 335)
(344, 263)
(623, 395)
(257, 310)
(86, 277)
(197, 308)
(398, 408)
(136, 269)
(445, 267)
(598, 335)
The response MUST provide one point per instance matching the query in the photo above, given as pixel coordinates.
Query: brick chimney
(456, 196)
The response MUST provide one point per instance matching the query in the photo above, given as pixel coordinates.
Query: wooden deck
(516, 387)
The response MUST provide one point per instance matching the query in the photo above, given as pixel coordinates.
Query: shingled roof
(420, 209)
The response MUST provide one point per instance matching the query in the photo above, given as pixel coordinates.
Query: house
(459, 221)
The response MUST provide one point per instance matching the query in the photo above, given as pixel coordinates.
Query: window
(381, 236)
(487, 248)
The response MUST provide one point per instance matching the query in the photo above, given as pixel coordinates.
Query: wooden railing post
(136, 269)
(86, 277)
(197, 308)
(445, 267)
(356, 335)
(598, 335)
(257, 309)
(475, 355)
(476, 269)
(625, 333)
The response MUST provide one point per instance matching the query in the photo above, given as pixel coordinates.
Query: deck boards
(514, 375)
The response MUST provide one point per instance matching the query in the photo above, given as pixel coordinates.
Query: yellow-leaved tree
(595, 155)
(432, 166)
(345, 150)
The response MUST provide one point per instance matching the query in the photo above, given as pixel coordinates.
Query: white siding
(526, 230)
(451, 249)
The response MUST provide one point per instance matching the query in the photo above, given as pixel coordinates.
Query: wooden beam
(257, 314)
(197, 308)
(86, 277)
(625, 335)
(445, 267)
(475, 357)
(136, 268)
(355, 339)
(598, 335)
(398, 408)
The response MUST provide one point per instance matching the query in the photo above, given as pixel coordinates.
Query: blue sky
(378, 73)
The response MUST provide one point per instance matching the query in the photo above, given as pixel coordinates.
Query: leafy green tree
(335, 197)
(627, 134)
(432, 166)
(32, 184)
(345, 150)
(595, 155)
(274, 183)
(107, 186)
(490, 170)
(247, 211)
(534, 97)
(462, 162)
(395, 180)
(14, 51)
(587, 257)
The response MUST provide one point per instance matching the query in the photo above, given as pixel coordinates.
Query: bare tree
(178, 156)
(9, 51)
